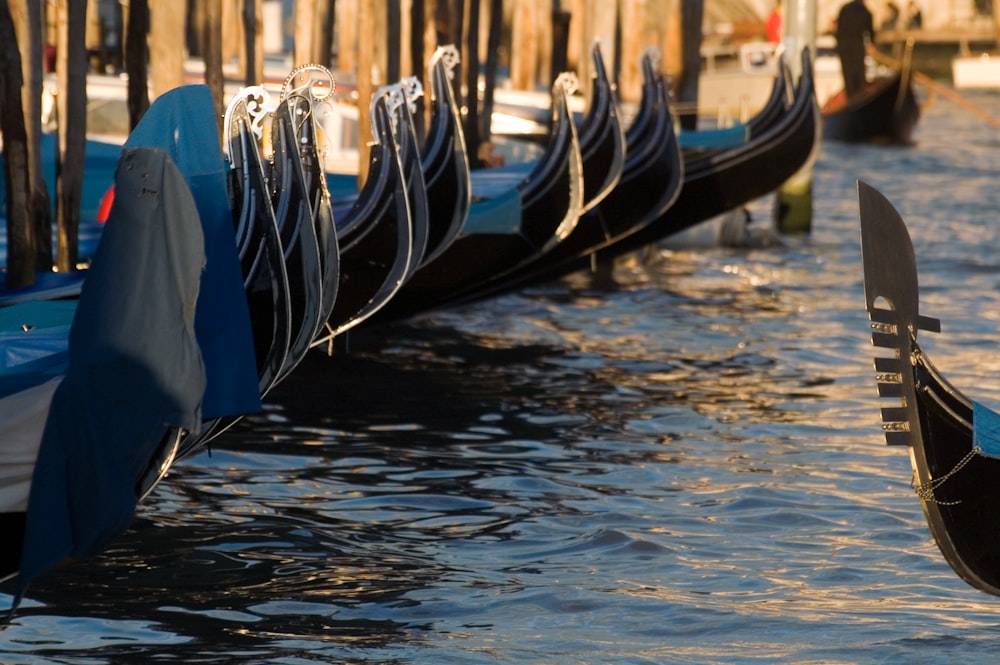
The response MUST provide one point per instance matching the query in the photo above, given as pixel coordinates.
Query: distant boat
(886, 111)
(976, 71)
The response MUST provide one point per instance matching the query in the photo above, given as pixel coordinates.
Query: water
(685, 466)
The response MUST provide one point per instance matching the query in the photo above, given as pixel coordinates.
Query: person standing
(854, 32)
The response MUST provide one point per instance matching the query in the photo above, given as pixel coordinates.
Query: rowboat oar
(944, 90)
(947, 91)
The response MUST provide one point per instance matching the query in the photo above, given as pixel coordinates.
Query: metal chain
(926, 491)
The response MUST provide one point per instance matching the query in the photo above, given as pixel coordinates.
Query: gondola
(182, 122)
(377, 251)
(305, 89)
(258, 242)
(385, 231)
(261, 253)
(697, 143)
(651, 179)
(604, 158)
(119, 400)
(884, 112)
(160, 343)
(516, 213)
(602, 138)
(951, 439)
(599, 130)
(723, 180)
(437, 180)
(550, 187)
(268, 284)
(652, 173)
(445, 158)
(406, 93)
(293, 210)
(778, 102)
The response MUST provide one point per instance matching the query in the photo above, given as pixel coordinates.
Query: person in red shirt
(773, 30)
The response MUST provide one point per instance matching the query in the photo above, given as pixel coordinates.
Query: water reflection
(494, 451)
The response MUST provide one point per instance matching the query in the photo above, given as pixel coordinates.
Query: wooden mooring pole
(692, 12)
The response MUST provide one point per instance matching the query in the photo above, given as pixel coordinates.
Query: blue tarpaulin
(985, 430)
(160, 339)
(135, 371)
(182, 122)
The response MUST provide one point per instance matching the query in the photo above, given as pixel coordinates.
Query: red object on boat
(105, 207)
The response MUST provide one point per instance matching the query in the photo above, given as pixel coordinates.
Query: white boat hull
(976, 72)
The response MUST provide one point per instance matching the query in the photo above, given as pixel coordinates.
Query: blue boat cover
(32, 315)
(34, 343)
(182, 122)
(498, 213)
(48, 285)
(135, 369)
(493, 182)
(985, 430)
(342, 186)
(721, 138)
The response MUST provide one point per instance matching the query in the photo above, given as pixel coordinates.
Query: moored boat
(378, 252)
(518, 212)
(306, 88)
(445, 158)
(719, 181)
(293, 211)
(133, 380)
(161, 345)
(265, 277)
(650, 181)
(953, 441)
(601, 136)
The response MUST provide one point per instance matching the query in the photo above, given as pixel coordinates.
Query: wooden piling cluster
(365, 42)
(624, 28)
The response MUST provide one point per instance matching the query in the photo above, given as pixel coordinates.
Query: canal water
(681, 463)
